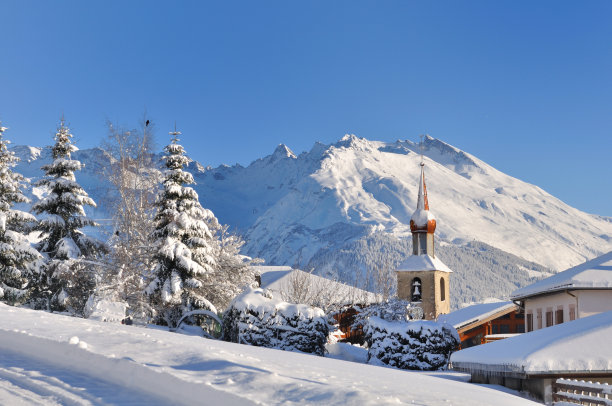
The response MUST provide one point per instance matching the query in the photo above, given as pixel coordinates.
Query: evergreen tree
(18, 272)
(184, 233)
(71, 255)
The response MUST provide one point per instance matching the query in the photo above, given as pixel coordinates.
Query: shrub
(418, 345)
(256, 318)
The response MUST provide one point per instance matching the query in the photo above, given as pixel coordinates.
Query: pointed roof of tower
(422, 219)
(422, 202)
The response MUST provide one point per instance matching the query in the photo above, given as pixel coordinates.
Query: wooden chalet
(486, 322)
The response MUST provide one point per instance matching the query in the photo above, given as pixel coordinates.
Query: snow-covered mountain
(344, 208)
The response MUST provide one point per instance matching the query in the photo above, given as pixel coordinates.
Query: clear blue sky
(524, 85)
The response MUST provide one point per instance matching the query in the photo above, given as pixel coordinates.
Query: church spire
(422, 202)
(423, 222)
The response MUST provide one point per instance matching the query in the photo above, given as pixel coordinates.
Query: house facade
(578, 292)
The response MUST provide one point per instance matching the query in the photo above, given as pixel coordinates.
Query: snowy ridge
(297, 206)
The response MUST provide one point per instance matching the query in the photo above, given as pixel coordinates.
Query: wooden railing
(571, 392)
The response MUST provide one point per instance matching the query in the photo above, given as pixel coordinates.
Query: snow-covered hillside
(360, 186)
(57, 360)
(345, 207)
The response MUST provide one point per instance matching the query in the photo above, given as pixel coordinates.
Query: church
(422, 278)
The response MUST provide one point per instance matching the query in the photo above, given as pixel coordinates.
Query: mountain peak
(352, 141)
(282, 151)
(26, 153)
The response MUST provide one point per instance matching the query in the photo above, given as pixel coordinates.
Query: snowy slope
(344, 208)
(54, 359)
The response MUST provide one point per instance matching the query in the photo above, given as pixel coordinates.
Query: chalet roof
(471, 316)
(593, 274)
(578, 346)
(282, 278)
(423, 263)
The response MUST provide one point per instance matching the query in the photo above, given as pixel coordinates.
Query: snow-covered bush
(257, 318)
(105, 310)
(419, 345)
(393, 309)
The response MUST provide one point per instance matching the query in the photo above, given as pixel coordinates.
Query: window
(529, 322)
(559, 315)
(520, 328)
(442, 290)
(539, 318)
(572, 312)
(504, 329)
(415, 290)
(549, 317)
(421, 243)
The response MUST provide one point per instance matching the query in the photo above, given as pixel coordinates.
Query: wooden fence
(572, 392)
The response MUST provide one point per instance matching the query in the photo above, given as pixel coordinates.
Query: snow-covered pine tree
(18, 272)
(71, 255)
(184, 234)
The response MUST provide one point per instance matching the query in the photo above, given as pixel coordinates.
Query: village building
(422, 278)
(485, 322)
(534, 361)
(578, 292)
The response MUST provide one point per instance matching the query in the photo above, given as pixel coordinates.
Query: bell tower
(423, 279)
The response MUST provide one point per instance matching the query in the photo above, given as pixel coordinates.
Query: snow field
(180, 369)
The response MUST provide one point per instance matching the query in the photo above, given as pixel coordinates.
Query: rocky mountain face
(344, 210)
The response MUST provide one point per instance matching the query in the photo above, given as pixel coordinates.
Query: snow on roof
(270, 274)
(283, 279)
(471, 314)
(581, 345)
(421, 217)
(423, 263)
(593, 274)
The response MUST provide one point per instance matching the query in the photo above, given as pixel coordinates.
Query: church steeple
(422, 278)
(422, 222)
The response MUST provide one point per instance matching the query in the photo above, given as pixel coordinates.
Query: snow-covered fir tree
(71, 267)
(18, 259)
(184, 234)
